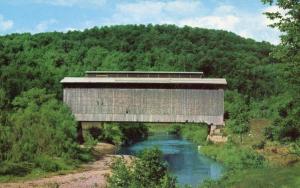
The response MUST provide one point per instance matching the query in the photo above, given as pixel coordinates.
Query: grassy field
(275, 177)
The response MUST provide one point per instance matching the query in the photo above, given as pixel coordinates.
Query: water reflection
(182, 156)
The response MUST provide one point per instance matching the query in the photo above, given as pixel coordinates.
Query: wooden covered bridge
(103, 96)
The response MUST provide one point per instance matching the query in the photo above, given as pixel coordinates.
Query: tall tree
(287, 20)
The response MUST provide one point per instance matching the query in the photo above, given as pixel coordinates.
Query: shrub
(15, 168)
(133, 132)
(111, 133)
(259, 145)
(234, 157)
(197, 133)
(122, 175)
(148, 170)
(50, 164)
(41, 132)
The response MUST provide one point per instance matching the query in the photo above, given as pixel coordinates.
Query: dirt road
(90, 175)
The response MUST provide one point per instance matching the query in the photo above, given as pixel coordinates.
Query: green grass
(35, 174)
(288, 177)
(160, 127)
(196, 133)
(246, 168)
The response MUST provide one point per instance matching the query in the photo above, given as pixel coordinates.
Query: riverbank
(93, 174)
(255, 160)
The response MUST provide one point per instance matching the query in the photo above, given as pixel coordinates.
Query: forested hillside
(33, 65)
(41, 60)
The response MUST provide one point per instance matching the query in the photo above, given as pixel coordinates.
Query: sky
(243, 17)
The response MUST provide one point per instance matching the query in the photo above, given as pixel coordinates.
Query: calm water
(182, 156)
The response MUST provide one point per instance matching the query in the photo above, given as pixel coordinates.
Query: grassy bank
(254, 161)
(249, 161)
(196, 133)
(279, 177)
(45, 166)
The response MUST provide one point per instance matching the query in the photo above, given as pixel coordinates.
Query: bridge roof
(143, 80)
(140, 72)
(144, 74)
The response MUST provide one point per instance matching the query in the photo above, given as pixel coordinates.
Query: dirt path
(92, 175)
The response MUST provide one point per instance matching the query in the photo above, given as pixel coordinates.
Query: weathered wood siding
(146, 105)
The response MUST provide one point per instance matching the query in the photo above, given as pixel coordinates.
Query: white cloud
(70, 3)
(44, 25)
(193, 13)
(5, 24)
(182, 7)
(153, 11)
(227, 17)
(213, 22)
(273, 9)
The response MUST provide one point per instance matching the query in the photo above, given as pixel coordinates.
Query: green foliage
(43, 133)
(286, 127)
(121, 174)
(267, 177)
(34, 122)
(238, 113)
(148, 170)
(259, 145)
(111, 133)
(118, 133)
(133, 132)
(197, 133)
(15, 168)
(89, 140)
(234, 157)
(50, 164)
(41, 125)
(288, 22)
(295, 148)
(41, 60)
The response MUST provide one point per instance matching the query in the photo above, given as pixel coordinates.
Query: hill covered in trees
(41, 60)
(32, 66)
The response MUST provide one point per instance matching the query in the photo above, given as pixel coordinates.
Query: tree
(287, 127)
(288, 22)
(41, 126)
(148, 170)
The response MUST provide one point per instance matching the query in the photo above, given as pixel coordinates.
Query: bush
(259, 145)
(15, 168)
(234, 157)
(148, 170)
(286, 127)
(122, 175)
(39, 127)
(50, 164)
(133, 132)
(111, 133)
(197, 133)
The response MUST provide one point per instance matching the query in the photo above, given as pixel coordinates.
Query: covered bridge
(123, 96)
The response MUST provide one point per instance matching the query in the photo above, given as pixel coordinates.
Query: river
(183, 158)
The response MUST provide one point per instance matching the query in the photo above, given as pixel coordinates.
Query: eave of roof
(91, 80)
(139, 72)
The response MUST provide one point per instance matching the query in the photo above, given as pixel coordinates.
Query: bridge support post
(215, 134)
(80, 139)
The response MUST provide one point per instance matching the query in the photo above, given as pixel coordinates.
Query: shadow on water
(182, 156)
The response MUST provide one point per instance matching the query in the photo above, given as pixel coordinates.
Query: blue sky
(243, 17)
